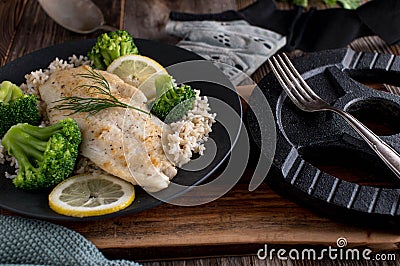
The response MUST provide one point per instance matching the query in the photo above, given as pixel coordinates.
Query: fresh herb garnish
(93, 105)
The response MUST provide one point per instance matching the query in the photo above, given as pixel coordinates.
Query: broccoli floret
(16, 107)
(172, 102)
(109, 46)
(45, 155)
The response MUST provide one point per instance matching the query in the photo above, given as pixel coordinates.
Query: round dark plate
(35, 204)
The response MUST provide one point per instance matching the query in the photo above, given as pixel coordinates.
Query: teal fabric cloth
(26, 241)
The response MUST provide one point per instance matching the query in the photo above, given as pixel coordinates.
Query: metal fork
(305, 98)
(392, 89)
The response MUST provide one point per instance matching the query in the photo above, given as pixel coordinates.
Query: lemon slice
(91, 195)
(139, 71)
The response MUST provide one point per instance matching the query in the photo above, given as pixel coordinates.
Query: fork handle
(384, 151)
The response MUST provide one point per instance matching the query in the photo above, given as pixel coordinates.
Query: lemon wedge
(138, 70)
(91, 195)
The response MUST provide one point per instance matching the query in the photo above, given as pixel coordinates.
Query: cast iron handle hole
(351, 165)
(381, 116)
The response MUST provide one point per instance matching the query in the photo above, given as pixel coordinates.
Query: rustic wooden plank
(254, 261)
(240, 217)
(240, 4)
(36, 23)
(11, 14)
(374, 44)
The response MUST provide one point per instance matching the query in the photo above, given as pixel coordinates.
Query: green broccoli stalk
(109, 46)
(172, 102)
(16, 107)
(45, 155)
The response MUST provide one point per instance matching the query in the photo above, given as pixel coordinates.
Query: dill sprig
(93, 105)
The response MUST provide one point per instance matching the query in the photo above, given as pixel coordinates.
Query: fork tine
(296, 87)
(304, 88)
(295, 84)
(396, 90)
(284, 80)
(389, 88)
(392, 89)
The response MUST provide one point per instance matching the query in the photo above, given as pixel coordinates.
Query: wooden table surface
(228, 231)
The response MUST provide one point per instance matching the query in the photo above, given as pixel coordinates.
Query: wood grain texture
(11, 13)
(34, 22)
(254, 261)
(240, 222)
(374, 44)
(240, 217)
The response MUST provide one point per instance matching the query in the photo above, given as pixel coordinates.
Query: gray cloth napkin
(26, 241)
(237, 45)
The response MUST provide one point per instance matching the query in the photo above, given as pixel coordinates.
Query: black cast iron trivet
(304, 138)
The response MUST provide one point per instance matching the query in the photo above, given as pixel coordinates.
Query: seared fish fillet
(135, 155)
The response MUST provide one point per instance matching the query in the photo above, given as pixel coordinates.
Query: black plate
(35, 204)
